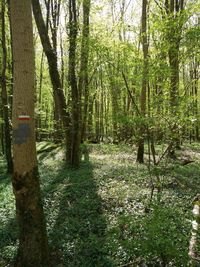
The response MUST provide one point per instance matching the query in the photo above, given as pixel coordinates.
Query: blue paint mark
(21, 134)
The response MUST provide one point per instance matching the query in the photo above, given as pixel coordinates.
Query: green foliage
(166, 236)
(159, 238)
(8, 227)
(97, 216)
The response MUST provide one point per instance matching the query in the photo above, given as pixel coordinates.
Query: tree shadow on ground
(187, 177)
(77, 237)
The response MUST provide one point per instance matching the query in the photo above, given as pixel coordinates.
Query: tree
(52, 22)
(5, 103)
(58, 94)
(140, 153)
(174, 10)
(33, 248)
(76, 110)
(83, 84)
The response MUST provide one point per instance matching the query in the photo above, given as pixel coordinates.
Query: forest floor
(102, 215)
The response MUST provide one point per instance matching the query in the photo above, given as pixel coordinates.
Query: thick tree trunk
(54, 75)
(33, 248)
(140, 153)
(5, 104)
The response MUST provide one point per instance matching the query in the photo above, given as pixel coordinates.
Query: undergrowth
(102, 215)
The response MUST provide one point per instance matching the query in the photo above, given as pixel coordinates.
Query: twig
(164, 153)
(127, 264)
(159, 5)
(129, 92)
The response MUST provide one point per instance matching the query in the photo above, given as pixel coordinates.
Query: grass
(98, 217)
(8, 227)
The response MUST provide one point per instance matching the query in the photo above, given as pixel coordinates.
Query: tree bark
(39, 119)
(83, 75)
(5, 104)
(54, 75)
(97, 120)
(54, 10)
(76, 101)
(90, 127)
(33, 248)
(174, 37)
(115, 96)
(140, 153)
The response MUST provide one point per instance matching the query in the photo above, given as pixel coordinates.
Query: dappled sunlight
(100, 215)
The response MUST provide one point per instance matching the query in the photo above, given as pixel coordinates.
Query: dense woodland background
(115, 95)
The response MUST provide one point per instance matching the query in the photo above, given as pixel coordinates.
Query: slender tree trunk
(54, 7)
(54, 75)
(83, 76)
(140, 152)
(90, 128)
(62, 62)
(196, 108)
(174, 76)
(102, 108)
(115, 96)
(97, 120)
(5, 103)
(39, 119)
(193, 246)
(33, 248)
(76, 110)
(174, 10)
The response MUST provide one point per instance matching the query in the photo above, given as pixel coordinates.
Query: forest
(99, 133)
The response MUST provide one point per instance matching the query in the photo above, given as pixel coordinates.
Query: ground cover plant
(101, 214)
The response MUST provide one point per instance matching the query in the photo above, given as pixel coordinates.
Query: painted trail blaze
(24, 117)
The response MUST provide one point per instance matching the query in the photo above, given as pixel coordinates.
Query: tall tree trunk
(196, 110)
(54, 10)
(54, 75)
(83, 76)
(5, 103)
(174, 10)
(90, 130)
(97, 120)
(76, 110)
(102, 107)
(115, 96)
(33, 248)
(174, 76)
(140, 152)
(39, 119)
